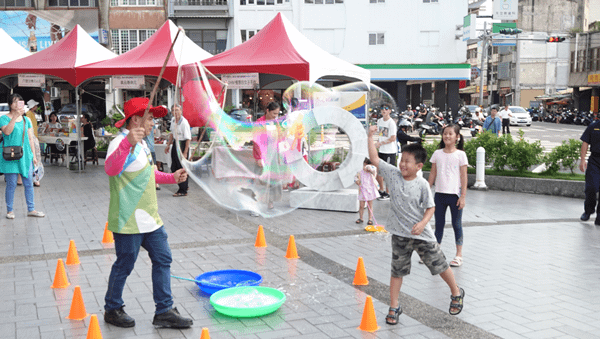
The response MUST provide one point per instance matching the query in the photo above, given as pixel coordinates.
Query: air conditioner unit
(54, 92)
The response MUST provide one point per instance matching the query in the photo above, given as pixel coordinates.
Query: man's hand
(136, 135)
(418, 228)
(180, 175)
(582, 165)
(167, 149)
(35, 161)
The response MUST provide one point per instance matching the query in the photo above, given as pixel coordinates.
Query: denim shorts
(429, 251)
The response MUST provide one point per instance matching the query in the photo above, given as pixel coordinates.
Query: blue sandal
(394, 316)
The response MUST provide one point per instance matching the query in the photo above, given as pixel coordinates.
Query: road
(550, 135)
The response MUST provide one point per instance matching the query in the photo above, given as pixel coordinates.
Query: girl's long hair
(461, 140)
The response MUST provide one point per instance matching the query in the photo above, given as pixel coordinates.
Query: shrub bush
(565, 155)
(521, 155)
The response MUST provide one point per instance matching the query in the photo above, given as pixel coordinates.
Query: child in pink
(367, 189)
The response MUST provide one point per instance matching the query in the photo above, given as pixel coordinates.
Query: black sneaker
(119, 318)
(585, 217)
(171, 319)
(384, 196)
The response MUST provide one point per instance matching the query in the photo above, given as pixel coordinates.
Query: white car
(519, 116)
(4, 108)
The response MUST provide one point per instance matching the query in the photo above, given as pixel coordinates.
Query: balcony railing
(200, 2)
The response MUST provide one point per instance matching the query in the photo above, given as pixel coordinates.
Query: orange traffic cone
(205, 334)
(291, 253)
(94, 329)
(107, 238)
(360, 277)
(60, 277)
(260, 238)
(72, 256)
(368, 322)
(77, 307)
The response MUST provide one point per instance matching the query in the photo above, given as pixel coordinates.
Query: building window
(429, 1)
(376, 1)
(210, 40)
(247, 34)
(62, 3)
(124, 40)
(572, 62)
(18, 3)
(115, 3)
(376, 39)
(597, 60)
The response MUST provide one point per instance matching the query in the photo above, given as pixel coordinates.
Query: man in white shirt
(181, 126)
(387, 144)
(505, 115)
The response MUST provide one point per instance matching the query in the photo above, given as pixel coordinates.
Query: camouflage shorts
(430, 253)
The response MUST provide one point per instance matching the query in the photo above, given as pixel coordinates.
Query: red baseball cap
(137, 106)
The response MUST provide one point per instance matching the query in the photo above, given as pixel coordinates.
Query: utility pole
(517, 96)
(484, 39)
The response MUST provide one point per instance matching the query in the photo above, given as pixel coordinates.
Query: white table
(159, 149)
(48, 139)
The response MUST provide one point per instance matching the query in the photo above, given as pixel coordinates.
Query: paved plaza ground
(530, 268)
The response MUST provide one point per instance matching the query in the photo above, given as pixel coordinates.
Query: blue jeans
(127, 247)
(11, 185)
(442, 202)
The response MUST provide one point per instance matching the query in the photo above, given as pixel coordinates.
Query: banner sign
(469, 27)
(32, 80)
(506, 10)
(128, 81)
(240, 80)
(353, 102)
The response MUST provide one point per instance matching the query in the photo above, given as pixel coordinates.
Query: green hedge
(501, 152)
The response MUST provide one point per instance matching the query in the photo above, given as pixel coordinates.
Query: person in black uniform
(591, 139)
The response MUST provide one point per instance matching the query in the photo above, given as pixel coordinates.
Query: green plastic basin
(247, 302)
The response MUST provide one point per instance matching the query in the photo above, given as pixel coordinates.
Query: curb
(562, 188)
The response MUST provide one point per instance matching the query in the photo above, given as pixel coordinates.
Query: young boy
(412, 207)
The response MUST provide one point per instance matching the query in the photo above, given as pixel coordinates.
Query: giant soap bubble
(247, 166)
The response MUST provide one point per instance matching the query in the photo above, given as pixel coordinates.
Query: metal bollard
(480, 170)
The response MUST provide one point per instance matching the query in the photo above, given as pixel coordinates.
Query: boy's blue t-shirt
(409, 200)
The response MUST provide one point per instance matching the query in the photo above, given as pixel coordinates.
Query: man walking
(134, 220)
(505, 115)
(591, 140)
(386, 144)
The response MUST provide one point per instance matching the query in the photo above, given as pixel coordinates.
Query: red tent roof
(279, 48)
(62, 58)
(149, 57)
(269, 51)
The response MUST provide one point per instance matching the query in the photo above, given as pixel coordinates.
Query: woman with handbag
(17, 155)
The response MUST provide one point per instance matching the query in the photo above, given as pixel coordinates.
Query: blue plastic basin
(219, 280)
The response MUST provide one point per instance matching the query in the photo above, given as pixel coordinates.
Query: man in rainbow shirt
(133, 217)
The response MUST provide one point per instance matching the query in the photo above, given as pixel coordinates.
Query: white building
(408, 46)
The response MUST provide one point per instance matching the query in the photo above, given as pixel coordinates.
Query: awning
(468, 89)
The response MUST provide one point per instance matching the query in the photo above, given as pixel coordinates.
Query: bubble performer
(133, 217)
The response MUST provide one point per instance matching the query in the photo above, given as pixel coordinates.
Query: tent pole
(78, 128)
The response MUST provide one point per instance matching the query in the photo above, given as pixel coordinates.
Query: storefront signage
(32, 80)
(128, 81)
(594, 78)
(240, 80)
(506, 10)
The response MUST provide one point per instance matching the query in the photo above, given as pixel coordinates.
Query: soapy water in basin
(253, 299)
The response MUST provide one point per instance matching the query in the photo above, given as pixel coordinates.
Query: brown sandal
(179, 194)
(359, 221)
